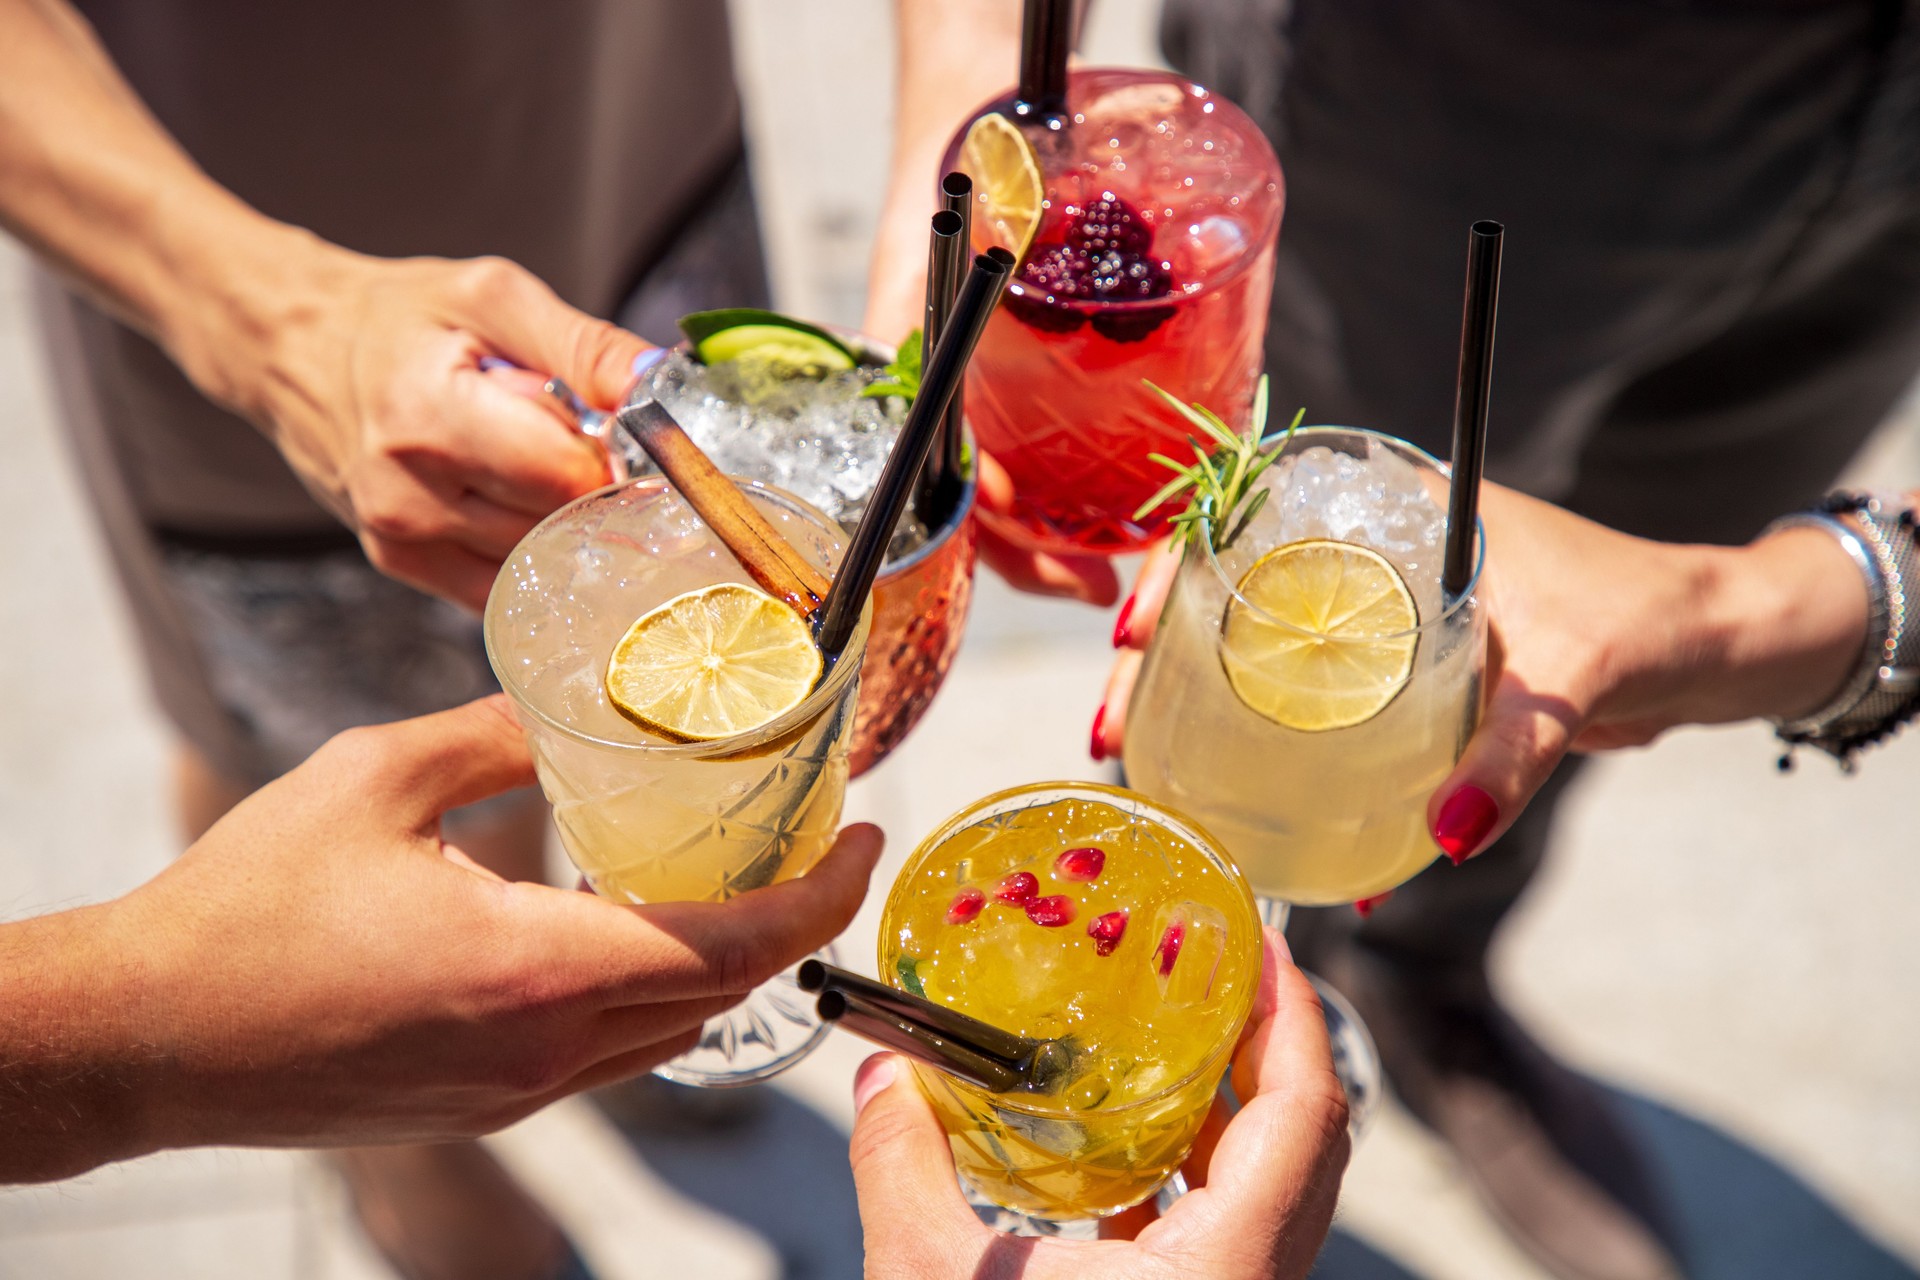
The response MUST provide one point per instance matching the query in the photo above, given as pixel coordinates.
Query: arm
(363, 371)
(321, 969)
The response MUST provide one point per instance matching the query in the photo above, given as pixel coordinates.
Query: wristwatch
(1883, 692)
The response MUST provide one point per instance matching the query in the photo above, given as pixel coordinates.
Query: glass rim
(1204, 541)
(1214, 282)
(810, 708)
(872, 352)
(1165, 815)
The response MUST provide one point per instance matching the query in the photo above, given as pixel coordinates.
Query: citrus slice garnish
(1335, 645)
(713, 663)
(1006, 173)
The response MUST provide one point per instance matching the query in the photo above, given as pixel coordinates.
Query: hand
(323, 969)
(1088, 579)
(369, 381)
(1132, 633)
(1264, 1183)
(1600, 640)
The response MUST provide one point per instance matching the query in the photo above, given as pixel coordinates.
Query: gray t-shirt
(572, 136)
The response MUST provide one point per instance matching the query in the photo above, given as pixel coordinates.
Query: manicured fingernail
(1098, 748)
(489, 363)
(1366, 905)
(647, 359)
(1122, 631)
(875, 1074)
(1464, 821)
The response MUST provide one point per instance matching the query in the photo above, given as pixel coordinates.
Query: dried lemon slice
(1006, 176)
(713, 663)
(1332, 642)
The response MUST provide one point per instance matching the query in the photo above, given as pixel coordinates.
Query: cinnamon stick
(768, 558)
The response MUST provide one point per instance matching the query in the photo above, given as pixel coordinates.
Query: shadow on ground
(1348, 1257)
(758, 1156)
(1741, 1215)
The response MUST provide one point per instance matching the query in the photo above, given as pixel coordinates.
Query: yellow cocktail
(1073, 910)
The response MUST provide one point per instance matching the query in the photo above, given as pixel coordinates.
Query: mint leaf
(902, 377)
(908, 967)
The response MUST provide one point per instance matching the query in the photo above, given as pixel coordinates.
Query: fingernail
(489, 363)
(1366, 905)
(647, 359)
(875, 1074)
(1122, 632)
(1098, 748)
(1464, 821)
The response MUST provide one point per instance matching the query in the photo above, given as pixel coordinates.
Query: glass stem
(1274, 912)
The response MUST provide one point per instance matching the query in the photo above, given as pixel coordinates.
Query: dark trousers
(1711, 289)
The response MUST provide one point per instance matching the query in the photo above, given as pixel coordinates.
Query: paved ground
(1732, 952)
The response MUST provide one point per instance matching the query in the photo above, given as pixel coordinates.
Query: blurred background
(1728, 949)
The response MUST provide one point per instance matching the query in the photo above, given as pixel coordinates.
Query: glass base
(1011, 1222)
(1356, 1060)
(757, 1039)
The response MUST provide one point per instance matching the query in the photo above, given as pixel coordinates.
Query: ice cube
(1190, 940)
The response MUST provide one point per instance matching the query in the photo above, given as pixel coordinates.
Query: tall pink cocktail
(1152, 262)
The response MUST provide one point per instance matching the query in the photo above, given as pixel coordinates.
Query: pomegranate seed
(1081, 864)
(1169, 949)
(1106, 930)
(1051, 912)
(966, 905)
(1018, 888)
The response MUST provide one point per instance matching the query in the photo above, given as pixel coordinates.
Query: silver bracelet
(1883, 691)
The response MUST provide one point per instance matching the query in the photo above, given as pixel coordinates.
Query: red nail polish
(1098, 748)
(1366, 905)
(1121, 633)
(1464, 821)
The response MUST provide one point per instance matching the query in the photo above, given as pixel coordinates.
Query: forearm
(92, 183)
(72, 1092)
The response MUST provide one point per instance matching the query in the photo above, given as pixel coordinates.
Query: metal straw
(946, 259)
(956, 196)
(946, 1038)
(941, 378)
(1046, 35)
(1470, 403)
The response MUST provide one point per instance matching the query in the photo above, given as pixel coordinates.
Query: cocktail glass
(1056, 392)
(643, 818)
(1332, 815)
(1147, 955)
(831, 453)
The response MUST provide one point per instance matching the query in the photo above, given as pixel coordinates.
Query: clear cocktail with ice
(1087, 912)
(644, 817)
(1308, 686)
(1155, 210)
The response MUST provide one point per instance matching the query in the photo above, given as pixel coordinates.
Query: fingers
(440, 762)
(730, 949)
(912, 1214)
(1521, 738)
(1088, 579)
(519, 317)
(439, 568)
(1140, 615)
(1110, 722)
(519, 451)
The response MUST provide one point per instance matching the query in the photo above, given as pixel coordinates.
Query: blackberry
(1053, 272)
(1109, 225)
(1120, 277)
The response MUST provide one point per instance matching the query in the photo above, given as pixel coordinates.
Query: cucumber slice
(719, 336)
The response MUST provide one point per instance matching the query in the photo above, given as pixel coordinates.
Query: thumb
(440, 762)
(1523, 735)
(912, 1214)
(532, 327)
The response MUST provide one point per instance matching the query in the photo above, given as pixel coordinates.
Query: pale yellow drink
(1082, 911)
(646, 819)
(1316, 777)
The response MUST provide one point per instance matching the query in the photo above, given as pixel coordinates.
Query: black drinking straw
(946, 259)
(1046, 34)
(956, 196)
(941, 378)
(946, 1038)
(1470, 403)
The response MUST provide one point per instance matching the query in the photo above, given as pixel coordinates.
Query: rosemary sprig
(903, 375)
(1219, 478)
